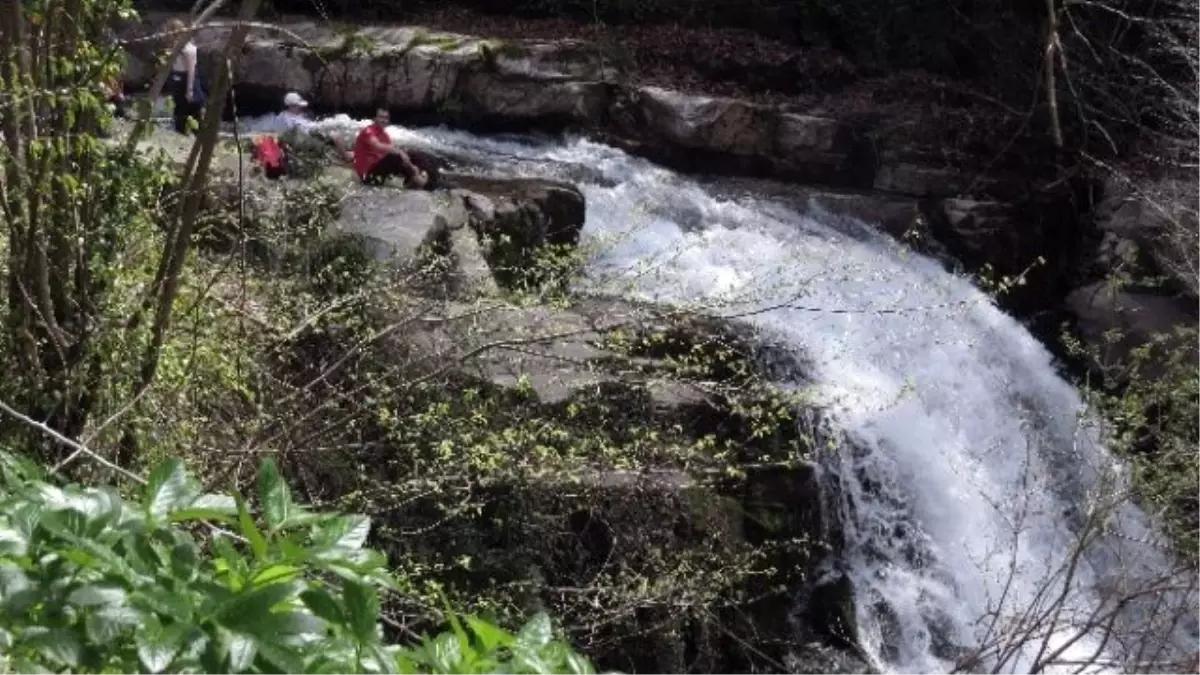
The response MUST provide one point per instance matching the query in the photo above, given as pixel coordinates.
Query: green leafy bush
(91, 582)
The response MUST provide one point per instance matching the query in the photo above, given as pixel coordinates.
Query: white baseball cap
(294, 100)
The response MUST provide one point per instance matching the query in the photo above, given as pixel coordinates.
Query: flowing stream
(963, 470)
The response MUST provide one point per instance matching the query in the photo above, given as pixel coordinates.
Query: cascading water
(966, 473)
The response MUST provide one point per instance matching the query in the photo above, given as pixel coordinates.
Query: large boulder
(986, 231)
(486, 233)
(528, 227)
(1115, 322)
(1150, 229)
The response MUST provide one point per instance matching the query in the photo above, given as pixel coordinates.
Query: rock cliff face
(1000, 221)
(524, 84)
(493, 84)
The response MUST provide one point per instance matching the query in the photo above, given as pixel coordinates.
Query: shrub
(90, 582)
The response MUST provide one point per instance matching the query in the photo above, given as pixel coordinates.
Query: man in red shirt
(376, 159)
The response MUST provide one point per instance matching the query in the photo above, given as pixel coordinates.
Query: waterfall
(968, 469)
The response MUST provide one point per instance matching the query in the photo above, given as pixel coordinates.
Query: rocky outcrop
(472, 237)
(1150, 230)
(495, 84)
(1115, 322)
(613, 477)
(1142, 276)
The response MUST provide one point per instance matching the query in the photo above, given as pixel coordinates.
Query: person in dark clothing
(116, 98)
(184, 84)
(376, 159)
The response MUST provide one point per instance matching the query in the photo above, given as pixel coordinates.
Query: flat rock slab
(409, 221)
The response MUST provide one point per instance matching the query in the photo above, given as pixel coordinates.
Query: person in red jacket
(376, 159)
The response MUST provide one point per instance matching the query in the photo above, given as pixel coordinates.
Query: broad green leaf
(13, 543)
(167, 489)
(185, 564)
(164, 601)
(13, 583)
(385, 657)
(274, 495)
(362, 607)
(26, 518)
(246, 610)
(527, 660)
(283, 658)
(537, 632)
(57, 645)
(324, 605)
(109, 623)
(242, 650)
(555, 655)
(94, 595)
(23, 665)
(344, 532)
(447, 653)
(578, 665)
(275, 573)
(289, 624)
(490, 637)
(219, 508)
(157, 647)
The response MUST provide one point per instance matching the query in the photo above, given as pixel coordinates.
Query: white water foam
(967, 470)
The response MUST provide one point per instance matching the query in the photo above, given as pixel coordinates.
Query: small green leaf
(230, 567)
(249, 530)
(273, 493)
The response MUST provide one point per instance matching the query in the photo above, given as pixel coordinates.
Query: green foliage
(77, 217)
(90, 582)
(1150, 395)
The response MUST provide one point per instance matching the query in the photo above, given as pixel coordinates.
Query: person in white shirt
(293, 115)
(184, 84)
(294, 118)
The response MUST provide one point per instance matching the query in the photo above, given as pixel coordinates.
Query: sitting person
(293, 115)
(376, 159)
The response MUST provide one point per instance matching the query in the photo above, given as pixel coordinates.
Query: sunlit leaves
(119, 588)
